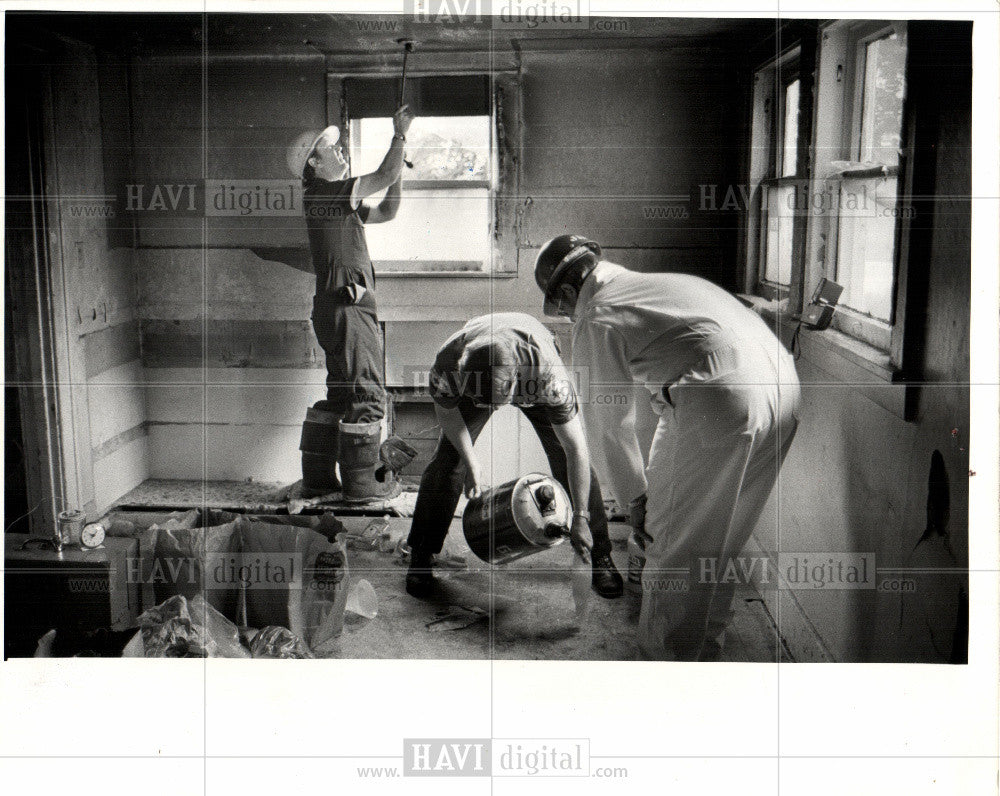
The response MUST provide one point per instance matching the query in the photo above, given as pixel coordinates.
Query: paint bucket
(517, 519)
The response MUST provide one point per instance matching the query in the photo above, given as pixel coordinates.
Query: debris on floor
(183, 628)
(278, 642)
(458, 617)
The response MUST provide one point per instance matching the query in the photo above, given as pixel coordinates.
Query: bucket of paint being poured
(517, 519)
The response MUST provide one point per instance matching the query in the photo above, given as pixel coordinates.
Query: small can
(69, 525)
(636, 562)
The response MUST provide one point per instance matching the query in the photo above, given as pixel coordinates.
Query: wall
(227, 348)
(104, 435)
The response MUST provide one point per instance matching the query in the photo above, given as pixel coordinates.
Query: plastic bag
(278, 642)
(143, 527)
(310, 597)
(192, 561)
(182, 628)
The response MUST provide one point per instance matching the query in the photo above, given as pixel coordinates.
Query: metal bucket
(517, 519)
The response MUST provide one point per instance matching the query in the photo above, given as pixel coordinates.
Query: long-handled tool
(407, 49)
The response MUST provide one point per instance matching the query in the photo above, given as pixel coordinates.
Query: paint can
(69, 526)
(517, 519)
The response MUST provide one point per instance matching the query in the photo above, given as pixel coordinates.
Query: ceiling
(336, 34)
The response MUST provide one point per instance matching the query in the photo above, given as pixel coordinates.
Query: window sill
(849, 361)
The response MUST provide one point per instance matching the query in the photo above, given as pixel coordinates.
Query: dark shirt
(542, 380)
(337, 235)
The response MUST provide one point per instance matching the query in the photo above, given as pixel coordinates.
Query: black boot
(419, 578)
(605, 579)
(319, 446)
(362, 474)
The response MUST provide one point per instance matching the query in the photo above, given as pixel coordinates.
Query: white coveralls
(727, 397)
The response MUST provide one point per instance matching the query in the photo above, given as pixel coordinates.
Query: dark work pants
(442, 482)
(352, 343)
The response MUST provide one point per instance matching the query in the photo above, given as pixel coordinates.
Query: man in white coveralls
(726, 394)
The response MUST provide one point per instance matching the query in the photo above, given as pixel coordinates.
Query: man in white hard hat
(344, 314)
(727, 397)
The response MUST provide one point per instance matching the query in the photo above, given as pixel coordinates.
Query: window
(446, 219)
(774, 177)
(867, 202)
(861, 91)
(842, 219)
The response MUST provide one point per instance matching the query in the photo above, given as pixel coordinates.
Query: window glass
(882, 104)
(438, 227)
(778, 240)
(866, 244)
(789, 150)
(868, 206)
(439, 147)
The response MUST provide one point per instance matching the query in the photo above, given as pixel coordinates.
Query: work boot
(362, 473)
(605, 579)
(419, 578)
(319, 445)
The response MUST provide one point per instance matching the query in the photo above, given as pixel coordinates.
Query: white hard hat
(302, 147)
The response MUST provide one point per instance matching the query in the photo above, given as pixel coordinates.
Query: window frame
(496, 185)
(771, 81)
(842, 45)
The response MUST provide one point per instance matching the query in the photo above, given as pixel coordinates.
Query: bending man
(727, 396)
(505, 358)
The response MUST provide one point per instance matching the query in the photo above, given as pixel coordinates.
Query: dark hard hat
(555, 258)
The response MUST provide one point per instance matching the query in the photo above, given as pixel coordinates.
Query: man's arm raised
(392, 164)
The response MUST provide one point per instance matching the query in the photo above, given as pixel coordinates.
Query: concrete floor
(531, 601)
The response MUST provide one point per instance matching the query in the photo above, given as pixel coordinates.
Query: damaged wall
(227, 346)
(224, 316)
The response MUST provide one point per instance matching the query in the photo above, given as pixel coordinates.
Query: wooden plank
(225, 452)
(622, 221)
(164, 231)
(110, 347)
(232, 395)
(411, 348)
(116, 402)
(230, 344)
(120, 440)
(118, 471)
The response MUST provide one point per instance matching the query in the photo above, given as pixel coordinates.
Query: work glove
(637, 517)
(394, 455)
(581, 538)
